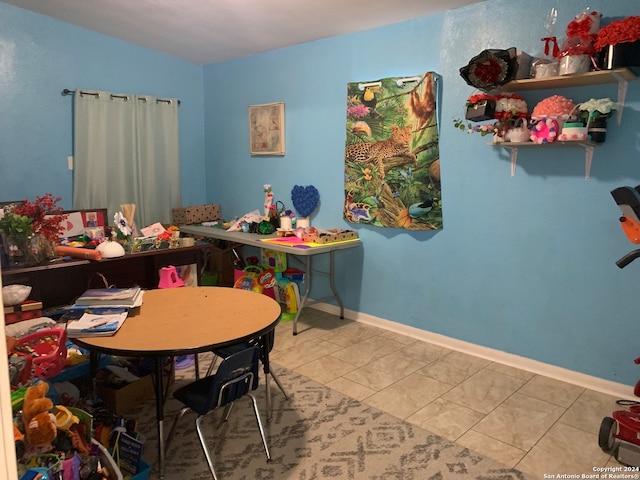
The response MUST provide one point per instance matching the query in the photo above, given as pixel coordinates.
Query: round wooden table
(188, 320)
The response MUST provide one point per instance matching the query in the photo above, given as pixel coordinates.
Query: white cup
(303, 222)
(285, 223)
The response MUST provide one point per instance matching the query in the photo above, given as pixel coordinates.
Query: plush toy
(39, 424)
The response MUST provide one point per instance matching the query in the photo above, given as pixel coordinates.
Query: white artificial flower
(122, 224)
(602, 105)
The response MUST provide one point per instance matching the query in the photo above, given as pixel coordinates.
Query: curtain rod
(66, 91)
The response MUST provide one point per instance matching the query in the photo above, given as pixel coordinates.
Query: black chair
(236, 377)
(266, 341)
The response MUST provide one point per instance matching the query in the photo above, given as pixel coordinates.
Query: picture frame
(266, 129)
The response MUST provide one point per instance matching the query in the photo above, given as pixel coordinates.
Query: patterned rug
(318, 434)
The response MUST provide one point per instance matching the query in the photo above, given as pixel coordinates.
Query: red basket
(47, 349)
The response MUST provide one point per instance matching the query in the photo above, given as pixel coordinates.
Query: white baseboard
(608, 387)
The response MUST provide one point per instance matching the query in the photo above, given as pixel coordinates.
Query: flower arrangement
(619, 31)
(45, 214)
(597, 108)
(555, 106)
(509, 107)
(13, 224)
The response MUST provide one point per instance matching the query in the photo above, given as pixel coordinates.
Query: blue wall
(525, 265)
(40, 57)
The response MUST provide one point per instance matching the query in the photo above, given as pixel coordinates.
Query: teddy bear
(39, 424)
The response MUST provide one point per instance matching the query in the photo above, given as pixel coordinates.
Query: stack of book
(110, 297)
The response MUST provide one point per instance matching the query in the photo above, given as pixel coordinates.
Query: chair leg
(173, 427)
(264, 438)
(196, 365)
(203, 444)
(275, 379)
(227, 410)
(212, 366)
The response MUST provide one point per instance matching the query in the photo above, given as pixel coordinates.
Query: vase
(597, 129)
(18, 251)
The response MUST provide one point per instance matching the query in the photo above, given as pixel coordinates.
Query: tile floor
(534, 423)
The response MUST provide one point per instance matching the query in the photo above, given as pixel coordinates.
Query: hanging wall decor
(392, 161)
(266, 129)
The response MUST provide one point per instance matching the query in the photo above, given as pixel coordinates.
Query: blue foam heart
(305, 199)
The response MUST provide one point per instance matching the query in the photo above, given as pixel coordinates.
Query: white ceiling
(209, 31)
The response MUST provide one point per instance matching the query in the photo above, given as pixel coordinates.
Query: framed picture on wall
(266, 129)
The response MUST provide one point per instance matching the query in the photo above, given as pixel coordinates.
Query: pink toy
(545, 131)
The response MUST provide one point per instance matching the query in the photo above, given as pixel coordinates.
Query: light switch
(70, 162)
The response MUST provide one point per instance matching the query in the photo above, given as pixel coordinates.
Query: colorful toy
(544, 131)
(39, 423)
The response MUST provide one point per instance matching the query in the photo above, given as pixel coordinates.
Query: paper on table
(92, 325)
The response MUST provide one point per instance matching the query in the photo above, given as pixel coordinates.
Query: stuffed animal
(39, 424)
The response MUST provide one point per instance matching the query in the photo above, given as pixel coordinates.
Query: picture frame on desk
(91, 222)
(266, 129)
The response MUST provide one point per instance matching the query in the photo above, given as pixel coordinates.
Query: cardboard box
(221, 264)
(196, 214)
(330, 236)
(123, 400)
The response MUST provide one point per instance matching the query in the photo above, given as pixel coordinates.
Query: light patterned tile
(511, 371)
(383, 372)
(408, 395)
(351, 334)
(425, 352)
(449, 420)
(588, 411)
(325, 369)
(520, 421)
(352, 389)
(491, 448)
(367, 351)
(553, 391)
(398, 337)
(564, 449)
(484, 391)
(454, 368)
(309, 351)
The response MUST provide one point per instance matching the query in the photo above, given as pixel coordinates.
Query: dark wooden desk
(60, 282)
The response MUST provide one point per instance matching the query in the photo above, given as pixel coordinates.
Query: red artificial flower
(619, 31)
(491, 70)
(45, 214)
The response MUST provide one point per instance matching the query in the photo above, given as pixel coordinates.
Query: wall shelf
(621, 76)
(588, 145)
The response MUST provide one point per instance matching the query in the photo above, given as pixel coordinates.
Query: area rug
(317, 434)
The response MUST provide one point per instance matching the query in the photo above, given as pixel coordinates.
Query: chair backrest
(235, 377)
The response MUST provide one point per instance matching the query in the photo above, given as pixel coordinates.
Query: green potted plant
(16, 232)
(595, 112)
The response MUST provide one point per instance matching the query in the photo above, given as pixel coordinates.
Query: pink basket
(47, 349)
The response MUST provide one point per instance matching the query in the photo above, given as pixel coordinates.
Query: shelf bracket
(514, 160)
(622, 94)
(588, 157)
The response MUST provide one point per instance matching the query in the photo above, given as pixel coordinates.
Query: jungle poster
(392, 161)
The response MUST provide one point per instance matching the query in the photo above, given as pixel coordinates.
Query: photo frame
(266, 129)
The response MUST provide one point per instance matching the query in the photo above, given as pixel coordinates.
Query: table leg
(307, 289)
(333, 285)
(160, 414)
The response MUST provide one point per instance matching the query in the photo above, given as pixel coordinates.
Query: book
(96, 325)
(120, 297)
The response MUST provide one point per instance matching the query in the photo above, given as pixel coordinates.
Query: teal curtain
(126, 151)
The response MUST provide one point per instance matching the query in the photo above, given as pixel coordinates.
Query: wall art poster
(266, 129)
(392, 160)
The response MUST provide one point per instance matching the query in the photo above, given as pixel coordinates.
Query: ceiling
(210, 31)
